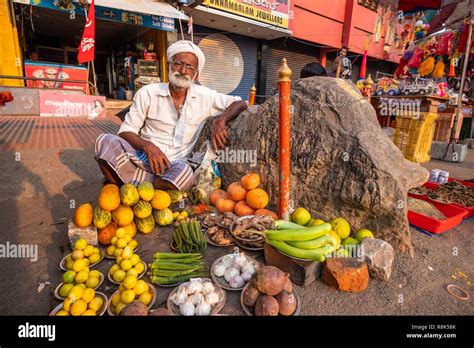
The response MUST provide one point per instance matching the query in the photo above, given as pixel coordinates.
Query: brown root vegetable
(159, 312)
(270, 280)
(135, 308)
(250, 296)
(288, 285)
(266, 306)
(286, 302)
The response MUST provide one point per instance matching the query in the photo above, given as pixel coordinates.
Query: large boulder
(342, 164)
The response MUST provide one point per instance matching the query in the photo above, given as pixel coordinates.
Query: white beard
(178, 80)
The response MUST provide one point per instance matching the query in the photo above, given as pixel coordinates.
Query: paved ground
(39, 185)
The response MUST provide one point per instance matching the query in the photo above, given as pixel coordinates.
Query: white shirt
(153, 117)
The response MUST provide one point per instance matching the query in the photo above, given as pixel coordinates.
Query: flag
(87, 47)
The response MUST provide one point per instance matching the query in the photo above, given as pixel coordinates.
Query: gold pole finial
(368, 81)
(284, 73)
(253, 88)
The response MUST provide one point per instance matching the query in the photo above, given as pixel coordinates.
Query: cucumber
(299, 234)
(314, 254)
(314, 243)
(284, 225)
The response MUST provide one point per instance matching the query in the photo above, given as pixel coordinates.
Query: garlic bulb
(184, 288)
(236, 281)
(203, 308)
(247, 275)
(179, 298)
(194, 287)
(248, 268)
(227, 260)
(187, 308)
(239, 261)
(220, 269)
(196, 298)
(231, 272)
(207, 288)
(212, 298)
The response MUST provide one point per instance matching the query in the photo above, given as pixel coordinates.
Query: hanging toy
(416, 58)
(419, 31)
(438, 71)
(442, 87)
(426, 66)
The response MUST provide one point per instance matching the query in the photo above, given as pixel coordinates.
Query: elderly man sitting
(163, 125)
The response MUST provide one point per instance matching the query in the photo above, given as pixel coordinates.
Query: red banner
(87, 46)
(59, 72)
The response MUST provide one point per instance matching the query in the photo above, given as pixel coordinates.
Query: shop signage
(112, 14)
(61, 104)
(58, 72)
(274, 12)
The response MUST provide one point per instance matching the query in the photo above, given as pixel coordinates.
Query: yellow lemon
(119, 308)
(81, 277)
(89, 312)
(133, 244)
(65, 289)
(184, 214)
(118, 276)
(341, 227)
(69, 264)
(140, 287)
(88, 250)
(87, 262)
(120, 232)
(317, 222)
(134, 259)
(88, 295)
(117, 252)
(94, 273)
(80, 244)
(127, 238)
(114, 240)
(363, 233)
(79, 265)
(121, 243)
(62, 313)
(94, 258)
(126, 265)
(130, 281)
(77, 255)
(96, 304)
(127, 252)
(116, 299)
(127, 296)
(122, 288)
(95, 250)
(69, 258)
(67, 304)
(145, 298)
(114, 268)
(175, 215)
(78, 307)
(140, 267)
(132, 272)
(301, 216)
(82, 286)
(110, 250)
(131, 229)
(76, 293)
(119, 259)
(92, 282)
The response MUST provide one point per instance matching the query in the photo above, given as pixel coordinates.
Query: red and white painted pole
(284, 87)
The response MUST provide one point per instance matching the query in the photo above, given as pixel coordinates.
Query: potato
(286, 302)
(250, 296)
(158, 312)
(135, 308)
(288, 285)
(270, 280)
(266, 306)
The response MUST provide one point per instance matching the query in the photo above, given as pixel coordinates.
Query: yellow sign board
(274, 12)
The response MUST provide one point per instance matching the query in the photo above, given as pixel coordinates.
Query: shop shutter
(296, 62)
(231, 61)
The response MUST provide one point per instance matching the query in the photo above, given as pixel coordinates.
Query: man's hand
(156, 158)
(219, 133)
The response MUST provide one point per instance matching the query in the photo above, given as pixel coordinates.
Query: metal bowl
(222, 282)
(62, 264)
(100, 313)
(109, 276)
(241, 245)
(111, 307)
(56, 291)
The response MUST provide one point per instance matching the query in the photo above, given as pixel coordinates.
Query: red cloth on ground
(5, 97)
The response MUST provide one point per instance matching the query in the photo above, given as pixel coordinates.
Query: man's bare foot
(110, 175)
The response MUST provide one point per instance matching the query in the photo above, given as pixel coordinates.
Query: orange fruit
(241, 209)
(250, 181)
(257, 198)
(216, 194)
(236, 192)
(224, 205)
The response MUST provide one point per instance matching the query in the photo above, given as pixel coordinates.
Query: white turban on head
(185, 46)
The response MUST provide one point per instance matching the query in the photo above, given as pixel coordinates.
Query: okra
(174, 265)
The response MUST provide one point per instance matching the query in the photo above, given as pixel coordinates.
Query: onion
(270, 280)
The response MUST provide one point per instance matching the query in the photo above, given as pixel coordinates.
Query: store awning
(144, 6)
(422, 5)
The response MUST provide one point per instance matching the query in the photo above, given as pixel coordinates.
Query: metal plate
(247, 247)
(214, 309)
(109, 276)
(222, 282)
(110, 306)
(250, 311)
(237, 238)
(100, 313)
(56, 291)
(203, 224)
(62, 264)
